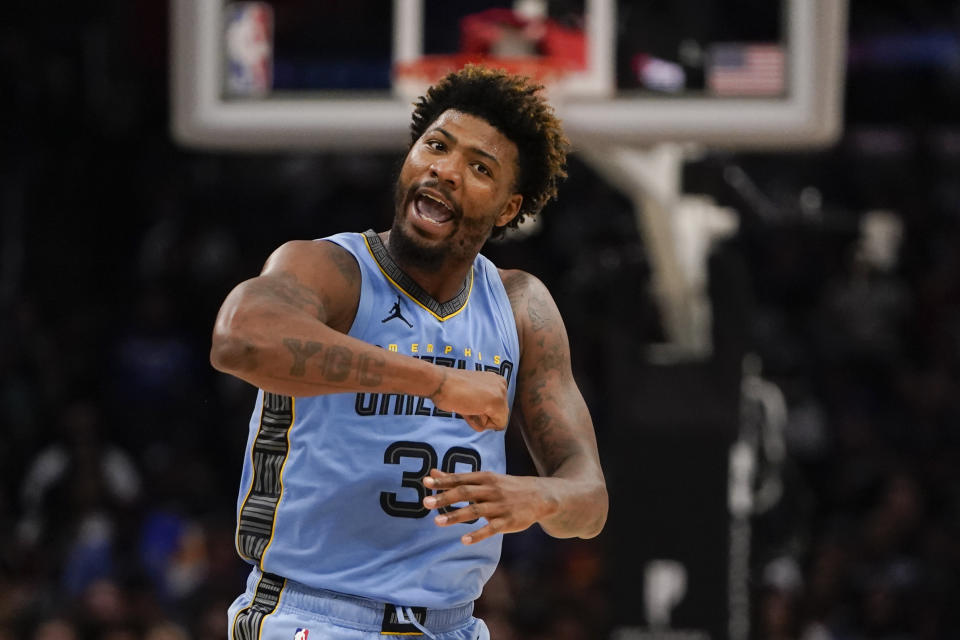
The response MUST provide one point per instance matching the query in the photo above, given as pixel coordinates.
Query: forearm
(284, 351)
(554, 418)
(559, 435)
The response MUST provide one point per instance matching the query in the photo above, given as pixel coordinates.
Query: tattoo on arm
(347, 266)
(513, 282)
(365, 376)
(300, 353)
(538, 321)
(286, 289)
(542, 382)
(336, 364)
(547, 332)
(550, 441)
(554, 419)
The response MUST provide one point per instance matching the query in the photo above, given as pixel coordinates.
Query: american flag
(755, 70)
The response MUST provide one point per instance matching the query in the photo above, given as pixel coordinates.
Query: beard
(408, 252)
(404, 248)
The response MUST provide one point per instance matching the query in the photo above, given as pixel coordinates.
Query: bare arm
(553, 416)
(569, 498)
(285, 332)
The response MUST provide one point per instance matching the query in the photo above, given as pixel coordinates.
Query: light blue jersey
(331, 492)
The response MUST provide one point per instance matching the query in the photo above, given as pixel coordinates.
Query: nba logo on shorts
(301, 634)
(248, 43)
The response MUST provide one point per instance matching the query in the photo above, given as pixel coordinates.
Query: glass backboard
(296, 74)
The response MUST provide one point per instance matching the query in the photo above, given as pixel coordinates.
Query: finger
(430, 481)
(466, 513)
(486, 422)
(492, 528)
(466, 493)
(503, 415)
(496, 420)
(445, 481)
(475, 422)
(437, 473)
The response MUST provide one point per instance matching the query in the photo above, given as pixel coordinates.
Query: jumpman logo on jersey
(395, 313)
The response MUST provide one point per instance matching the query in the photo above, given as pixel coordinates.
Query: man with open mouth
(374, 494)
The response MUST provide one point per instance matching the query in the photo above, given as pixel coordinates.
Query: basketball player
(373, 495)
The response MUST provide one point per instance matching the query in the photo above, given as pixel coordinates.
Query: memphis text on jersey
(382, 404)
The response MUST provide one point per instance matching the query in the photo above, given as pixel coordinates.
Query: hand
(509, 503)
(479, 396)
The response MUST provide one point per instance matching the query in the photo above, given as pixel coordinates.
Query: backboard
(652, 72)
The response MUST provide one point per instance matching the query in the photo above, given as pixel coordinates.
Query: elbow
(232, 350)
(232, 354)
(595, 526)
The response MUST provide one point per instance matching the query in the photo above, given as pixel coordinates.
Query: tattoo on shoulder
(513, 282)
(346, 265)
(527, 295)
(538, 319)
(288, 290)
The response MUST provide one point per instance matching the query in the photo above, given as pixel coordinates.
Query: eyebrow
(476, 150)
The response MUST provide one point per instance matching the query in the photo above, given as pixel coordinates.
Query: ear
(510, 210)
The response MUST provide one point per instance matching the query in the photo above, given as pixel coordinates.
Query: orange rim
(429, 69)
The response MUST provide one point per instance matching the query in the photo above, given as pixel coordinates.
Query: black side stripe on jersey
(248, 622)
(269, 454)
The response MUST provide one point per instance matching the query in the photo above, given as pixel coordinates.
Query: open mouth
(432, 209)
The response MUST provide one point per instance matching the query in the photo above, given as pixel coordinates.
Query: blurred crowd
(122, 447)
(855, 318)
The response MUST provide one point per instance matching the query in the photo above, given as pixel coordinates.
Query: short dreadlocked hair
(514, 106)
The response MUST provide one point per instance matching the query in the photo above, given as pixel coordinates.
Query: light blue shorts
(273, 608)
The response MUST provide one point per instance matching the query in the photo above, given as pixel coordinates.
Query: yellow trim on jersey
(232, 635)
(279, 597)
(276, 510)
(236, 618)
(406, 293)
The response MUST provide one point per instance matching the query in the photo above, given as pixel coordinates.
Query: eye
(436, 145)
(482, 168)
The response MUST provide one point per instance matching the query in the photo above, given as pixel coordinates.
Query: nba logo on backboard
(248, 41)
(301, 634)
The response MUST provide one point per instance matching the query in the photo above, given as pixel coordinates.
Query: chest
(476, 337)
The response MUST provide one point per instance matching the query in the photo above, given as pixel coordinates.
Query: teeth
(437, 200)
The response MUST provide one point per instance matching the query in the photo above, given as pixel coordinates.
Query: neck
(442, 278)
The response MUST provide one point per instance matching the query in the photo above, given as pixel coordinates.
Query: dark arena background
(782, 446)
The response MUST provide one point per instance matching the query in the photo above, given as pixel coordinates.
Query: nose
(447, 169)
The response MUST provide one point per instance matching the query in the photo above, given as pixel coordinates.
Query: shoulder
(533, 307)
(310, 252)
(313, 259)
(320, 269)
(520, 283)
